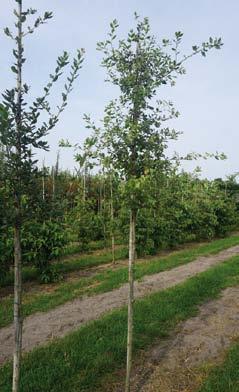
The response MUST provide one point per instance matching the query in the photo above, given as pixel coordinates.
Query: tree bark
(130, 298)
(133, 213)
(104, 226)
(113, 248)
(84, 184)
(18, 218)
(112, 220)
(43, 183)
(53, 183)
(17, 306)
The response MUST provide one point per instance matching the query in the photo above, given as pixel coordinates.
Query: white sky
(207, 97)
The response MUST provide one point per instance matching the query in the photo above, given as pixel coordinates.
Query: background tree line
(76, 209)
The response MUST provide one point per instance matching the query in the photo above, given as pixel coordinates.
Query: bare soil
(40, 328)
(180, 363)
(36, 287)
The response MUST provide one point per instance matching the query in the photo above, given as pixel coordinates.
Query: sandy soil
(35, 287)
(41, 328)
(175, 365)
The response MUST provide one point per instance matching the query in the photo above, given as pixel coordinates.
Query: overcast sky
(207, 96)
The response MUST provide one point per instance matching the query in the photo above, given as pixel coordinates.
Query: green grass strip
(83, 360)
(225, 377)
(88, 261)
(108, 280)
(68, 265)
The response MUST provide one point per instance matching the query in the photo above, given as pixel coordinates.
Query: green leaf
(14, 69)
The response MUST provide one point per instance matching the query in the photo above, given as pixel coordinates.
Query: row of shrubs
(176, 209)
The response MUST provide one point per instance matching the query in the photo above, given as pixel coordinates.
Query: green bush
(41, 243)
(6, 251)
(184, 209)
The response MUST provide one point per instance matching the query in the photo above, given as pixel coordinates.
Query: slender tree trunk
(17, 304)
(104, 227)
(113, 248)
(131, 297)
(43, 188)
(132, 253)
(112, 220)
(57, 163)
(18, 218)
(43, 183)
(100, 196)
(84, 184)
(53, 183)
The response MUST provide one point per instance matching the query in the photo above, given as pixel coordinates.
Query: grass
(225, 377)
(74, 247)
(69, 265)
(107, 280)
(85, 359)
(92, 246)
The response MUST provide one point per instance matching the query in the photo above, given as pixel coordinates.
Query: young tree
(133, 136)
(112, 216)
(22, 130)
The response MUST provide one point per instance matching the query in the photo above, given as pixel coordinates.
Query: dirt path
(87, 272)
(175, 365)
(41, 328)
(81, 272)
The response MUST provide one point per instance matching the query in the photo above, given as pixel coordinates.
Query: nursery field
(119, 266)
(191, 297)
